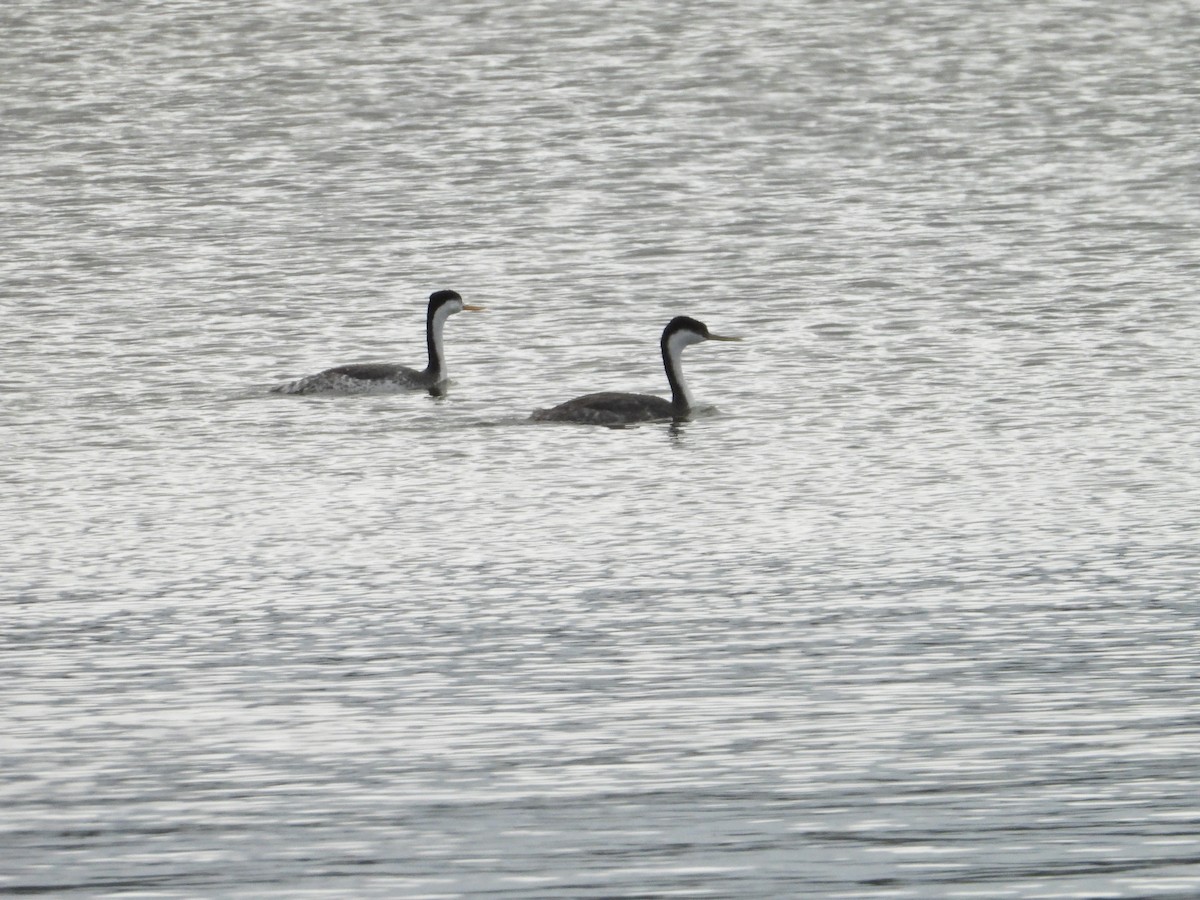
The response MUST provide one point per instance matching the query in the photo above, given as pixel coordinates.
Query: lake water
(912, 614)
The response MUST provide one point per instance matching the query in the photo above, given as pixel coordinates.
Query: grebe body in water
(614, 408)
(376, 378)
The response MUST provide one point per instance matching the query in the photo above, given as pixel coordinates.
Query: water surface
(910, 614)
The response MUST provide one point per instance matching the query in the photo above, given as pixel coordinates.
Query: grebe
(613, 408)
(374, 378)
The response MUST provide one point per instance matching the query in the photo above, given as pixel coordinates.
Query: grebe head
(684, 330)
(447, 303)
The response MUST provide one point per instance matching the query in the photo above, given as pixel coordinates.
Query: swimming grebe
(614, 408)
(372, 378)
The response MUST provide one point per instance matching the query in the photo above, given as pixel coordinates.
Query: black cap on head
(437, 298)
(686, 323)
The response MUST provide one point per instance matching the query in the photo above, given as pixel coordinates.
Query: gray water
(912, 613)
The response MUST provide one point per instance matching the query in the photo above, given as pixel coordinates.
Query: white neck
(674, 362)
(437, 358)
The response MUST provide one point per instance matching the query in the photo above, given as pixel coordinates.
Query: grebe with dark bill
(614, 408)
(375, 378)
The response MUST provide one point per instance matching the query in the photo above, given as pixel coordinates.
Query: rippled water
(913, 614)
